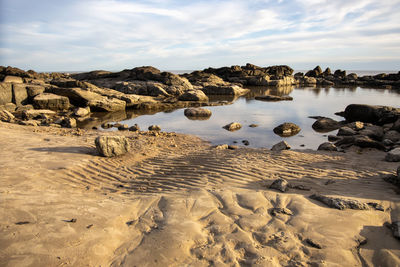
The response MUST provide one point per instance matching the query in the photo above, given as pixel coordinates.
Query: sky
(83, 35)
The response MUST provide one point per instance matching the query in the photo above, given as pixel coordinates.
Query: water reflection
(309, 101)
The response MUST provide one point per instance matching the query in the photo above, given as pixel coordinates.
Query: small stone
(393, 155)
(222, 147)
(276, 211)
(134, 128)
(253, 125)
(233, 126)
(156, 128)
(327, 146)
(123, 127)
(346, 131)
(280, 146)
(109, 146)
(107, 125)
(245, 142)
(280, 184)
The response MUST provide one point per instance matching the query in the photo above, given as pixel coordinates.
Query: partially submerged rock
(197, 112)
(155, 128)
(280, 146)
(373, 114)
(274, 98)
(325, 125)
(327, 146)
(110, 146)
(233, 126)
(287, 129)
(193, 95)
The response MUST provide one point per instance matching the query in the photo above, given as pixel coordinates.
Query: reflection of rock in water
(260, 91)
(222, 98)
(198, 118)
(98, 118)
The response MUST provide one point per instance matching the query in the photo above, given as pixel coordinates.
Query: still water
(246, 110)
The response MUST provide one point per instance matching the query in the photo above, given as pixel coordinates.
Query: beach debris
(327, 146)
(156, 128)
(73, 220)
(280, 146)
(342, 204)
(393, 155)
(22, 222)
(110, 146)
(198, 112)
(276, 211)
(233, 126)
(287, 129)
(280, 184)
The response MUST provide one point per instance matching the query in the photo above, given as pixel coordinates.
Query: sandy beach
(174, 200)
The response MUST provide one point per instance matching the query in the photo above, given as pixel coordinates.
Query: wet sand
(176, 201)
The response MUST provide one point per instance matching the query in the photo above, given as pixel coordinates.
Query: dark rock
(123, 127)
(280, 184)
(333, 138)
(280, 146)
(378, 115)
(373, 131)
(396, 229)
(253, 125)
(276, 211)
(313, 243)
(287, 129)
(325, 125)
(68, 123)
(274, 98)
(393, 155)
(339, 203)
(233, 126)
(51, 102)
(339, 74)
(327, 146)
(365, 141)
(245, 142)
(156, 128)
(134, 128)
(346, 131)
(224, 90)
(392, 135)
(110, 146)
(231, 147)
(197, 112)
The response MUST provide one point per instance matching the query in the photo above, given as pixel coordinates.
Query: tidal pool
(267, 115)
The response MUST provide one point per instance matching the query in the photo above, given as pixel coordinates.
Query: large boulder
(197, 112)
(106, 104)
(193, 95)
(324, 125)
(5, 93)
(287, 129)
(373, 114)
(110, 146)
(224, 90)
(77, 96)
(20, 95)
(34, 90)
(51, 101)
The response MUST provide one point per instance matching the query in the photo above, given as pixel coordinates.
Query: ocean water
(247, 110)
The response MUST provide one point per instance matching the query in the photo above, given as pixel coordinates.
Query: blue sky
(58, 35)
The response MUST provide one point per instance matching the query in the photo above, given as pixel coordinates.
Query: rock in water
(156, 128)
(274, 98)
(373, 114)
(280, 184)
(197, 112)
(339, 203)
(110, 146)
(325, 125)
(287, 129)
(233, 126)
(280, 146)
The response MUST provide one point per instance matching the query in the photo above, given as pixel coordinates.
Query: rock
(107, 104)
(398, 173)
(193, 95)
(393, 155)
(34, 113)
(313, 243)
(134, 128)
(81, 112)
(197, 112)
(287, 129)
(392, 135)
(366, 141)
(123, 127)
(327, 146)
(20, 95)
(13, 79)
(276, 211)
(77, 96)
(232, 147)
(373, 131)
(357, 125)
(253, 125)
(387, 142)
(34, 90)
(274, 98)
(222, 147)
(346, 131)
(51, 102)
(280, 184)
(6, 116)
(11, 107)
(68, 123)
(225, 90)
(280, 146)
(339, 203)
(110, 146)
(325, 125)
(23, 108)
(107, 125)
(333, 138)
(378, 115)
(396, 229)
(305, 80)
(233, 126)
(396, 125)
(245, 142)
(30, 123)
(156, 128)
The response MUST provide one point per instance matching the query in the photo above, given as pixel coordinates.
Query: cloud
(117, 34)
